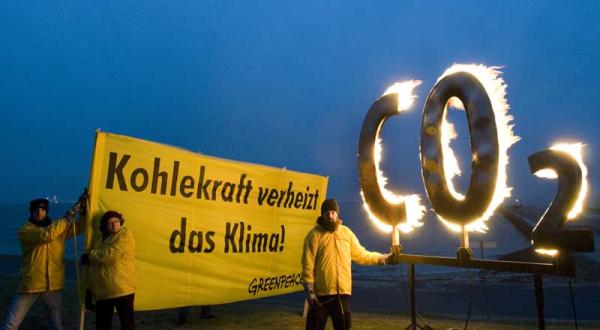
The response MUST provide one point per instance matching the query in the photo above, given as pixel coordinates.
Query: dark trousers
(105, 309)
(336, 306)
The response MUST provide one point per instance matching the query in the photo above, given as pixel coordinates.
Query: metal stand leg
(413, 306)
(539, 300)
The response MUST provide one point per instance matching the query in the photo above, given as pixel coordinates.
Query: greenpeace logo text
(264, 284)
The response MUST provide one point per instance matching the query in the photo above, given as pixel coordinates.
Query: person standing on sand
(329, 249)
(42, 272)
(111, 272)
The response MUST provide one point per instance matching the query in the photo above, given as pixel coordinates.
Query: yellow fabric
(43, 250)
(112, 266)
(202, 235)
(327, 258)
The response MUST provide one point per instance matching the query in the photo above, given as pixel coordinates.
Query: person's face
(113, 225)
(39, 213)
(331, 215)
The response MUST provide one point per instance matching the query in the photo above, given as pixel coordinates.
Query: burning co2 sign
(480, 92)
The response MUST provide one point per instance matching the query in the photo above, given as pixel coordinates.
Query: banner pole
(78, 276)
(80, 284)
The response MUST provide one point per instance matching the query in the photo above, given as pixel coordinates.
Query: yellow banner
(207, 230)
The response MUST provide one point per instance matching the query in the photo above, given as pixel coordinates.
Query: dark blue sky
(279, 83)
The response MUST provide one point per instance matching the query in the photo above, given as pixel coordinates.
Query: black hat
(109, 215)
(330, 205)
(38, 203)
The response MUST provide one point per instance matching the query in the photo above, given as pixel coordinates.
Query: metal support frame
(539, 300)
(464, 259)
(413, 304)
(555, 269)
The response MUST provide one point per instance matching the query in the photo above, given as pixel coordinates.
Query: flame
(414, 209)
(414, 213)
(404, 90)
(495, 87)
(452, 226)
(550, 252)
(575, 150)
(450, 162)
(546, 173)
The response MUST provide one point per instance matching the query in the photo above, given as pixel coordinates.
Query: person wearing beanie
(42, 275)
(111, 272)
(329, 249)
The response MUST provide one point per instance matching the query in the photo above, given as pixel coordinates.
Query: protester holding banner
(329, 249)
(43, 266)
(111, 272)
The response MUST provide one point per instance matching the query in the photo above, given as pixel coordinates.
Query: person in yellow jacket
(111, 272)
(329, 249)
(43, 266)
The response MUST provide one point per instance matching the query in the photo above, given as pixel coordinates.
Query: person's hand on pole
(70, 214)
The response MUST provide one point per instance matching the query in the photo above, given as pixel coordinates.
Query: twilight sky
(281, 83)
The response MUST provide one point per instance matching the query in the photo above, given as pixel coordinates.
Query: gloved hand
(70, 214)
(85, 259)
(392, 258)
(82, 202)
(311, 296)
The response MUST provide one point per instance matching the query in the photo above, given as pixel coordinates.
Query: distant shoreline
(10, 264)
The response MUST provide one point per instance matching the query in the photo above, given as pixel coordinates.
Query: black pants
(336, 306)
(105, 309)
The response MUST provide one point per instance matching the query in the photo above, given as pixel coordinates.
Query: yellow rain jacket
(327, 257)
(111, 272)
(43, 249)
